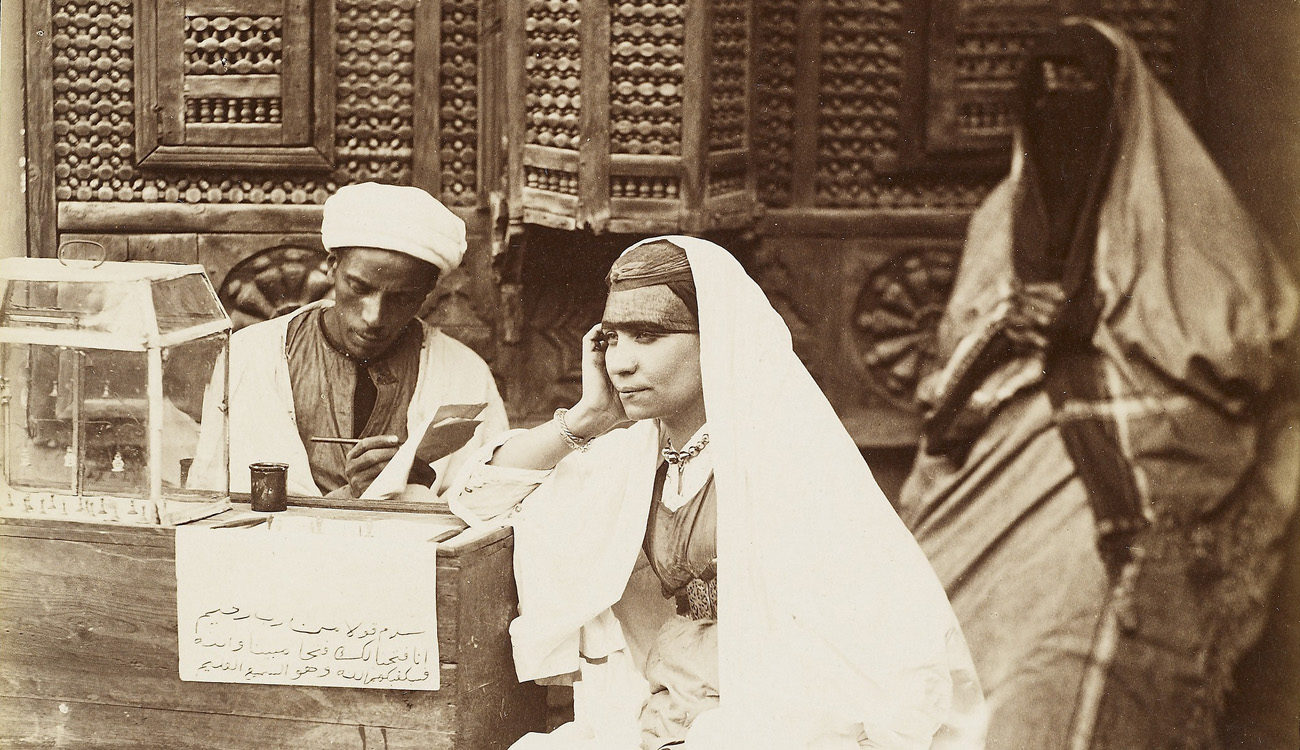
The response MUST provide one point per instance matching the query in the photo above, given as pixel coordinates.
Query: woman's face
(654, 366)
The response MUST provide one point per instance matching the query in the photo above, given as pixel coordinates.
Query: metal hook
(103, 253)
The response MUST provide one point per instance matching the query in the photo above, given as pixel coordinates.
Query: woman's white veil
(830, 616)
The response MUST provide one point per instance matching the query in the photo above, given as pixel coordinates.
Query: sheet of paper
(288, 607)
(392, 480)
(458, 411)
(444, 438)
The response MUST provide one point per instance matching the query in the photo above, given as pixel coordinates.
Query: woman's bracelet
(573, 441)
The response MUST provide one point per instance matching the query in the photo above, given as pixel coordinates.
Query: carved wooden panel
(552, 99)
(459, 113)
(646, 68)
(861, 313)
(977, 45)
(561, 294)
(647, 104)
(106, 77)
(903, 104)
(92, 107)
(861, 84)
(776, 54)
(729, 169)
(1167, 31)
(273, 282)
(235, 82)
(619, 135)
(894, 318)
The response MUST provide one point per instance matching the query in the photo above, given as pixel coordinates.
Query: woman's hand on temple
(599, 410)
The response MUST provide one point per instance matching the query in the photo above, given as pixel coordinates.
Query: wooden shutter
(236, 83)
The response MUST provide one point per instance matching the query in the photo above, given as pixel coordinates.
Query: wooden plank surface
(235, 85)
(234, 7)
(647, 165)
(43, 723)
(79, 531)
(549, 157)
(516, 87)
(97, 623)
(169, 248)
(88, 617)
(116, 246)
(322, 78)
(169, 72)
(452, 590)
(559, 204)
(295, 75)
(38, 37)
(487, 701)
(547, 218)
(807, 110)
(252, 158)
(426, 161)
(239, 134)
(145, 90)
(90, 216)
(873, 223)
(696, 92)
(592, 209)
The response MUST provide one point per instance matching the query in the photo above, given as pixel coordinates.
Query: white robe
(833, 630)
(263, 425)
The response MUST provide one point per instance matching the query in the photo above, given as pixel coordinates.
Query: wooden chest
(88, 656)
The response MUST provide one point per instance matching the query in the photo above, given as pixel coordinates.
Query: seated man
(362, 366)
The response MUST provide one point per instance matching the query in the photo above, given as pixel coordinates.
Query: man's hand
(367, 458)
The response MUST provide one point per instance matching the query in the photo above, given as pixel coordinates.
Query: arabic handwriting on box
(261, 605)
(239, 645)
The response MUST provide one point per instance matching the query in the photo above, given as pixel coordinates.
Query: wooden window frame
(159, 91)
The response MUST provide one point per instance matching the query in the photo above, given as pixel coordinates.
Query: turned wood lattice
(847, 122)
(634, 117)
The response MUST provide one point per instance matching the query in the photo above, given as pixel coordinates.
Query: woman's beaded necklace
(679, 458)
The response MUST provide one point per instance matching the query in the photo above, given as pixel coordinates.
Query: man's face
(376, 293)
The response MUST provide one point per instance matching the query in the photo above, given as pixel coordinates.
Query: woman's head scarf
(1186, 283)
(659, 263)
(830, 616)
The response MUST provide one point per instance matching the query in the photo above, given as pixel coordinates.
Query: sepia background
(837, 146)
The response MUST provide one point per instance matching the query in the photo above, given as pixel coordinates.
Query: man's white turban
(393, 217)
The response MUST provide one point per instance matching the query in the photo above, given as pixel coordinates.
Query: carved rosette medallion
(273, 282)
(894, 320)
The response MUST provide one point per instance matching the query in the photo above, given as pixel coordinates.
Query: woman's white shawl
(832, 623)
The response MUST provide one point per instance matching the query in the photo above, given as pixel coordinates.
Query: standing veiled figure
(1110, 454)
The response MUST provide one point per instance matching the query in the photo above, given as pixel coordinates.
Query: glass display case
(104, 370)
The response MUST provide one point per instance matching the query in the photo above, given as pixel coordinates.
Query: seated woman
(735, 581)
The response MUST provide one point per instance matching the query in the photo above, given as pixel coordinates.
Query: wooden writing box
(88, 656)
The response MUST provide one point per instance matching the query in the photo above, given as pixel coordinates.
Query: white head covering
(830, 617)
(394, 217)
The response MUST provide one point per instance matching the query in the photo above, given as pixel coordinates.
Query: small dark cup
(267, 486)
